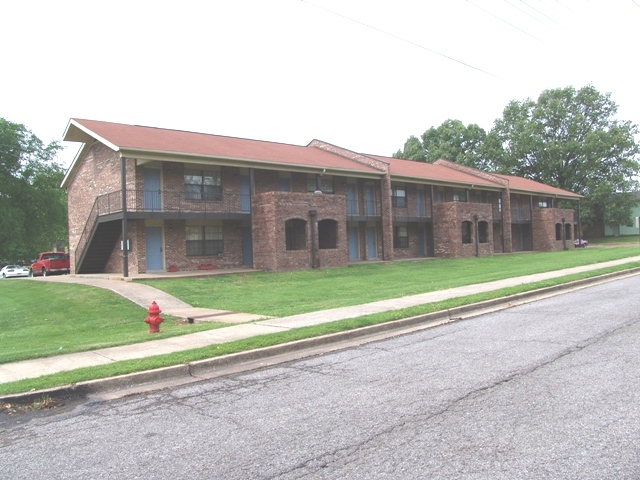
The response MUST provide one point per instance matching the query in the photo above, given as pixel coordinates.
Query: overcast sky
(361, 74)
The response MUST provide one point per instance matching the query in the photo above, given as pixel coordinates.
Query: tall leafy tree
(452, 141)
(33, 208)
(413, 150)
(571, 139)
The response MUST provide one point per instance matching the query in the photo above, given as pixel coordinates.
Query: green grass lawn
(621, 239)
(47, 318)
(282, 294)
(120, 368)
(40, 319)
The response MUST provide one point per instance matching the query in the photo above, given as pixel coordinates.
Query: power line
(502, 20)
(536, 10)
(562, 4)
(534, 16)
(400, 38)
(525, 12)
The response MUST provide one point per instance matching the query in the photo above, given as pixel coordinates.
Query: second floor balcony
(172, 204)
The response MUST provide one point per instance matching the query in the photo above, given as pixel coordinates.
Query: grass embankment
(41, 319)
(100, 314)
(292, 293)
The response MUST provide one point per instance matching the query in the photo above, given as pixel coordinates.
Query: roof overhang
(567, 196)
(444, 183)
(75, 132)
(146, 156)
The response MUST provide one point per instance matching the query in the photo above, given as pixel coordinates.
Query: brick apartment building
(188, 201)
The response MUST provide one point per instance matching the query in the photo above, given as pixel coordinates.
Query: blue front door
(151, 189)
(371, 243)
(154, 248)
(352, 235)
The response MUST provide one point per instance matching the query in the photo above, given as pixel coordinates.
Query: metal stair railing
(102, 205)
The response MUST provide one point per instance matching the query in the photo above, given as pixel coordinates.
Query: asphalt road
(546, 390)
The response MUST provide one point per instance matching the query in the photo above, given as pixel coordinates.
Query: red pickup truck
(49, 263)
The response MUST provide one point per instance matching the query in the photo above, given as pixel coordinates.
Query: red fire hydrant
(154, 319)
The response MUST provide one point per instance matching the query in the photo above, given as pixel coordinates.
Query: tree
(451, 141)
(33, 205)
(571, 139)
(413, 150)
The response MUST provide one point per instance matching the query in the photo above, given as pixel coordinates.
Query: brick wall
(270, 211)
(135, 230)
(266, 181)
(544, 228)
(413, 250)
(98, 173)
(447, 229)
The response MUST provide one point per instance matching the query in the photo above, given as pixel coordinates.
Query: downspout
(125, 234)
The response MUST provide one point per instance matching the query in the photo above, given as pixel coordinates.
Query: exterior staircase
(99, 247)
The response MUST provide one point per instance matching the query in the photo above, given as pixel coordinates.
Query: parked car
(14, 271)
(49, 263)
(580, 243)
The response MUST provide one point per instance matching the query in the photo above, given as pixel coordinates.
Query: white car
(14, 271)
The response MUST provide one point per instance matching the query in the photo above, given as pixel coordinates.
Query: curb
(203, 369)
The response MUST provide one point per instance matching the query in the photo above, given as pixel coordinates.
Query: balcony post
(531, 220)
(579, 225)
(125, 250)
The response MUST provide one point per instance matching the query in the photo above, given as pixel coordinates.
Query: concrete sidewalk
(144, 295)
